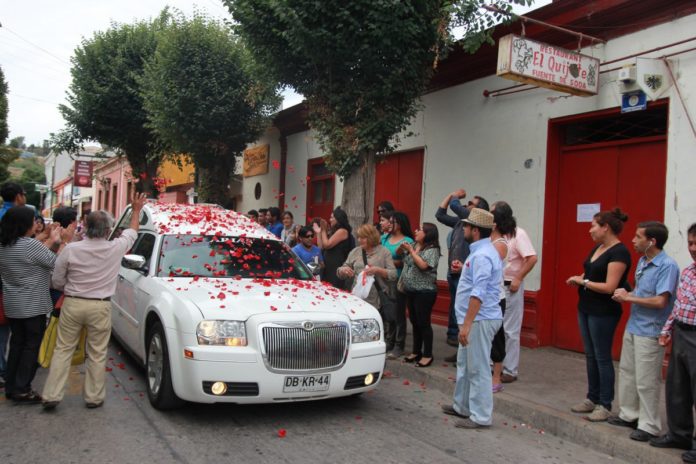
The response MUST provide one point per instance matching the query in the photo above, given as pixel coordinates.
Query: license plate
(306, 383)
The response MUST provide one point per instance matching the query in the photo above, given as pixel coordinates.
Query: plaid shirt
(684, 310)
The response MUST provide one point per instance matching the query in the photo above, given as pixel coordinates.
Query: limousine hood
(240, 299)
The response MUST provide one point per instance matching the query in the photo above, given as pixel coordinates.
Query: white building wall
(481, 144)
(269, 181)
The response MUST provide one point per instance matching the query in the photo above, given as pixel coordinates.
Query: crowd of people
(394, 268)
(488, 258)
(45, 268)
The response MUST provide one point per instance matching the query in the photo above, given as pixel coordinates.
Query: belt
(507, 283)
(685, 326)
(108, 298)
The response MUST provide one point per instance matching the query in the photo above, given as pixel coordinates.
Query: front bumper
(250, 381)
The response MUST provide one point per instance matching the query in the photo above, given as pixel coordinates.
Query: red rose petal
(282, 433)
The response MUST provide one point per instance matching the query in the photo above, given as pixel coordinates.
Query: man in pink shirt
(521, 259)
(86, 272)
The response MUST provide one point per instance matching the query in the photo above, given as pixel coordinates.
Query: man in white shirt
(521, 259)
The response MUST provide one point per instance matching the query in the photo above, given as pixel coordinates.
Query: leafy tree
(204, 99)
(18, 142)
(361, 65)
(105, 102)
(7, 154)
(4, 108)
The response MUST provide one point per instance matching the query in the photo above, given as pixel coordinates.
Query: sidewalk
(550, 382)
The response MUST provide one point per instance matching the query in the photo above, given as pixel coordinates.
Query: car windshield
(220, 256)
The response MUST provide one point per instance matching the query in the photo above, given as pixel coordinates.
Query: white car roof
(202, 219)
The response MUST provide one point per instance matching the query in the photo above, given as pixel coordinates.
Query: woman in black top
(606, 269)
(335, 241)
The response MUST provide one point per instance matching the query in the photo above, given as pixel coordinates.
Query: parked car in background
(220, 310)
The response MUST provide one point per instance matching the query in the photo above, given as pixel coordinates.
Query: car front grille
(291, 347)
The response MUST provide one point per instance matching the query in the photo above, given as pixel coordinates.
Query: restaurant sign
(536, 63)
(256, 160)
(83, 173)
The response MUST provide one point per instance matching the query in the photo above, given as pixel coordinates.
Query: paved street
(400, 422)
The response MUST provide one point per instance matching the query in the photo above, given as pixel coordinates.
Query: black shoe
(26, 398)
(616, 420)
(411, 358)
(424, 364)
(689, 456)
(94, 405)
(453, 342)
(449, 410)
(666, 441)
(451, 359)
(49, 405)
(641, 435)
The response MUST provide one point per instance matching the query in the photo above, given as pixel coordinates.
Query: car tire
(160, 390)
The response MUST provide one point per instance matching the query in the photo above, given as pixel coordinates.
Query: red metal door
(399, 179)
(628, 174)
(320, 190)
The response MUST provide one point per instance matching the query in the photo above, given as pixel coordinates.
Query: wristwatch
(584, 282)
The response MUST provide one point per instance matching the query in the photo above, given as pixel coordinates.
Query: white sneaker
(600, 414)
(585, 406)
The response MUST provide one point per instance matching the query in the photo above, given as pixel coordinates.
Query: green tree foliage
(4, 108)
(7, 154)
(361, 65)
(203, 98)
(18, 142)
(105, 102)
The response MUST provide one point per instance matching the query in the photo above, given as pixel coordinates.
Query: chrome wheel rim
(155, 364)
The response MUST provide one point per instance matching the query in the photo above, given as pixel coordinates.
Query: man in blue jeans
(479, 316)
(458, 251)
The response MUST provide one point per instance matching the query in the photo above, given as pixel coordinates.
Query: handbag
(387, 304)
(48, 343)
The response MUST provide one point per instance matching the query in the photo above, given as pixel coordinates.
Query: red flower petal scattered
(282, 433)
(406, 382)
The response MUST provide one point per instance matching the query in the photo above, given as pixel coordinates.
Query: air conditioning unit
(627, 74)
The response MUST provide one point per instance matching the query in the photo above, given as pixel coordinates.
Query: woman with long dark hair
(605, 269)
(25, 266)
(335, 241)
(398, 232)
(419, 281)
(504, 228)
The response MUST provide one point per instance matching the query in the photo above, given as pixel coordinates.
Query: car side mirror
(135, 262)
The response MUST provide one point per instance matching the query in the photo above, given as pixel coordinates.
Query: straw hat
(480, 218)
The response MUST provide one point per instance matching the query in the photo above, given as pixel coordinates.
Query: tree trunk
(359, 193)
(214, 183)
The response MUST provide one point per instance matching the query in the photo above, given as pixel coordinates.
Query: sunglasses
(308, 236)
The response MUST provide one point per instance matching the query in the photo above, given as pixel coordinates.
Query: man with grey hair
(86, 272)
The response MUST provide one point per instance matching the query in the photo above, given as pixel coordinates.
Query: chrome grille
(290, 347)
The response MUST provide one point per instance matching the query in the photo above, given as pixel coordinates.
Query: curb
(605, 438)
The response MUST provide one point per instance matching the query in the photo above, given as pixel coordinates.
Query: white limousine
(219, 310)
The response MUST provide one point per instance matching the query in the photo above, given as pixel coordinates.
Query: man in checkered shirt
(680, 389)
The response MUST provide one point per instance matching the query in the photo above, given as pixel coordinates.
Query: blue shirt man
(479, 317)
(651, 301)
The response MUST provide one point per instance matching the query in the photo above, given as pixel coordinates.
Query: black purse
(387, 303)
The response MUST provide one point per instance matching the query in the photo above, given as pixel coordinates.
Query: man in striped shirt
(680, 388)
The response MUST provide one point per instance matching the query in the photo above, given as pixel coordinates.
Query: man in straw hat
(479, 317)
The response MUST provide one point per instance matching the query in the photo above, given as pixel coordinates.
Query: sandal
(412, 358)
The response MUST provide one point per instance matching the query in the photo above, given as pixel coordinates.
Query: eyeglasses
(308, 236)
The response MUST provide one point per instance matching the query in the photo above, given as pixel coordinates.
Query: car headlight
(225, 333)
(365, 330)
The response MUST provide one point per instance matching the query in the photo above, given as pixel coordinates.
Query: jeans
(395, 331)
(22, 361)
(452, 326)
(473, 395)
(597, 337)
(4, 337)
(420, 307)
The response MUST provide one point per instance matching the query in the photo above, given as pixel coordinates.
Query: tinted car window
(213, 256)
(144, 247)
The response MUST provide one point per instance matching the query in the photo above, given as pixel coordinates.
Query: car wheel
(159, 378)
